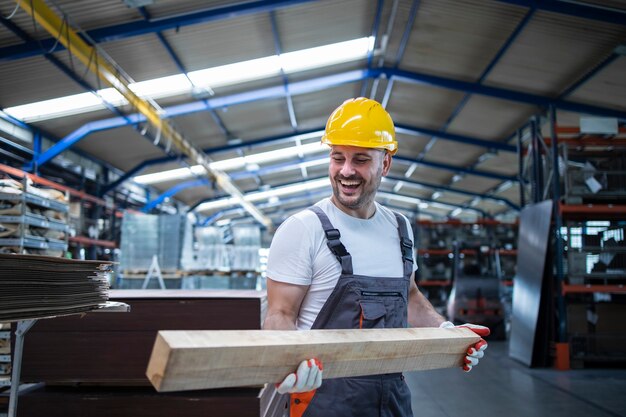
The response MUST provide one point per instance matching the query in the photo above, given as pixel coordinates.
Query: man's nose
(347, 169)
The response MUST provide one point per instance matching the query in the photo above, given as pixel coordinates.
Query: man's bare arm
(421, 311)
(283, 304)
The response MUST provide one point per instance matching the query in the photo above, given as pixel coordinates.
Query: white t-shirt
(299, 253)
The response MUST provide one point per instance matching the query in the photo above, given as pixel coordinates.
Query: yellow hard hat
(361, 122)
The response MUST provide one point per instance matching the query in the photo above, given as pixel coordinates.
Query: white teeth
(349, 183)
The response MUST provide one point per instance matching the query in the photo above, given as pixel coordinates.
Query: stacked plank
(33, 286)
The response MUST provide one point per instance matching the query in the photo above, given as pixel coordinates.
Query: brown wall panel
(133, 402)
(115, 347)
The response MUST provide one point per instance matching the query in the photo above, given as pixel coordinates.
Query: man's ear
(386, 163)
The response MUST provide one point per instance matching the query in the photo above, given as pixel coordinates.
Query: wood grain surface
(190, 360)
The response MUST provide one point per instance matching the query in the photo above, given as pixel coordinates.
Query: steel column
(558, 223)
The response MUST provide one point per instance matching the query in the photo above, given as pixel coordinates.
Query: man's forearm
(278, 321)
(421, 311)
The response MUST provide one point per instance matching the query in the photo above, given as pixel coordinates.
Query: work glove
(307, 377)
(476, 352)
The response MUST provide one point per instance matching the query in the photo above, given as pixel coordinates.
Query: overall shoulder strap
(406, 245)
(333, 241)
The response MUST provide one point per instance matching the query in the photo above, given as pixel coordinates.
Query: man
(347, 262)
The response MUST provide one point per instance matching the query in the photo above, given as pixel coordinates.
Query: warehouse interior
(169, 139)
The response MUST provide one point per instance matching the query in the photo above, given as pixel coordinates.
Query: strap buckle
(407, 249)
(332, 234)
(335, 245)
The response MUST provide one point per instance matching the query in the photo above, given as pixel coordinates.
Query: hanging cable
(10, 16)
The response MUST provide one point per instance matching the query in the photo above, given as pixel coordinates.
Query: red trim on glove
(480, 344)
(482, 332)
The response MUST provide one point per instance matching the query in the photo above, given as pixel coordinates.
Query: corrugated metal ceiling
(453, 39)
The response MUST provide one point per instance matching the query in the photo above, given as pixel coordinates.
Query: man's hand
(476, 352)
(307, 377)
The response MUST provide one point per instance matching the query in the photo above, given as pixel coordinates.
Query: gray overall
(360, 301)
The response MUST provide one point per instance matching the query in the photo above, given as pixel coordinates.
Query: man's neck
(366, 212)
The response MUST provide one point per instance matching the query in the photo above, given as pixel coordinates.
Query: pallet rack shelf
(31, 227)
(585, 176)
(71, 226)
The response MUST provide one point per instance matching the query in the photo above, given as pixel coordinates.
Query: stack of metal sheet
(139, 242)
(245, 251)
(144, 236)
(33, 286)
(171, 232)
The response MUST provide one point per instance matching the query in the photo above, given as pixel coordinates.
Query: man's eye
(362, 161)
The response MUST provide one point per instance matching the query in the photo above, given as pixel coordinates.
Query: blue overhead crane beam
(317, 84)
(204, 105)
(496, 92)
(468, 140)
(136, 28)
(97, 126)
(143, 27)
(585, 11)
(173, 191)
(454, 168)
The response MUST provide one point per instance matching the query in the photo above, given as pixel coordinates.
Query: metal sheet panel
(553, 52)
(489, 118)
(607, 88)
(223, 42)
(454, 153)
(532, 248)
(456, 38)
(33, 79)
(422, 105)
(123, 148)
(503, 163)
(320, 23)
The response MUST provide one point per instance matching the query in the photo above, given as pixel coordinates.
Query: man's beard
(367, 195)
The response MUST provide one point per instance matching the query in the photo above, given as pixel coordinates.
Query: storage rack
(5, 355)
(438, 247)
(80, 198)
(24, 241)
(589, 189)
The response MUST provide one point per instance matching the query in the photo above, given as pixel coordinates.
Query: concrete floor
(500, 386)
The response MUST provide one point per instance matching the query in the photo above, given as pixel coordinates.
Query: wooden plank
(190, 360)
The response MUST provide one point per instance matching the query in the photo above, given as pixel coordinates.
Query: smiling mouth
(349, 184)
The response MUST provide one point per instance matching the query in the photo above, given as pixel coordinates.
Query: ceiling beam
(575, 9)
(143, 27)
(496, 92)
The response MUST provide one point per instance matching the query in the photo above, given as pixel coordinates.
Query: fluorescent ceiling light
(238, 72)
(235, 73)
(235, 163)
(324, 55)
(264, 195)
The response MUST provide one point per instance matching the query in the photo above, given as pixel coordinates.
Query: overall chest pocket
(372, 314)
(382, 309)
